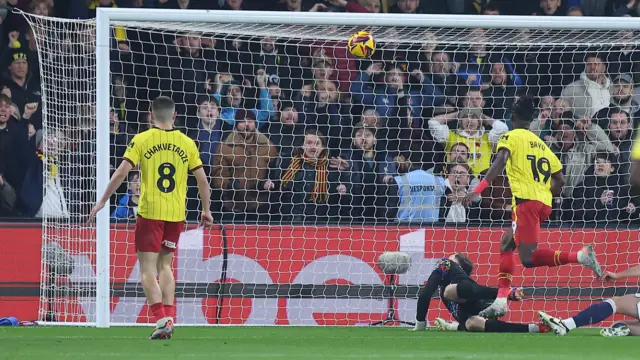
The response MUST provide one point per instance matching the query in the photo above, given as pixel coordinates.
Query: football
(362, 44)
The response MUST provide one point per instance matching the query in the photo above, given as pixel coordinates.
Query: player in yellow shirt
(535, 175)
(634, 176)
(165, 156)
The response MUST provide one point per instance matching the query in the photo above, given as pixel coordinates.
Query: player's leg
(167, 283)
(148, 238)
(172, 231)
(480, 324)
(528, 217)
(471, 291)
(594, 314)
(505, 275)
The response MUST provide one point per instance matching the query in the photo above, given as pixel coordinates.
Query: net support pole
(103, 35)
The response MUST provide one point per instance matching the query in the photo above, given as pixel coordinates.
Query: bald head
(163, 109)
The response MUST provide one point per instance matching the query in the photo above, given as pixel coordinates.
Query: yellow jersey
(530, 165)
(165, 157)
(479, 150)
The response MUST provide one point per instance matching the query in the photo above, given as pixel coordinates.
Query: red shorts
(526, 219)
(156, 235)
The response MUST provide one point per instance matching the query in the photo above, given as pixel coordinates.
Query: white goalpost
(281, 264)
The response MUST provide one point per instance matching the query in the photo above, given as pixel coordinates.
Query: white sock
(420, 325)
(533, 328)
(569, 323)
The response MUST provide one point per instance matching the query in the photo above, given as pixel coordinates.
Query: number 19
(540, 166)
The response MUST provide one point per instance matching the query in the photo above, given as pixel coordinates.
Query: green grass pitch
(299, 343)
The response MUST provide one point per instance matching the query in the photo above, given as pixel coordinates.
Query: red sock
(158, 311)
(548, 257)
(507, 266)
(170, 311)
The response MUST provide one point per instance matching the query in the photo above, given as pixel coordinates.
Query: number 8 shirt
(165, 157)
(530, 166)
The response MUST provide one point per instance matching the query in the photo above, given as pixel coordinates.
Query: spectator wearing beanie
(19, 84)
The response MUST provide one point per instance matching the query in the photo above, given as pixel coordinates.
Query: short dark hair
(491, 7)
(606, 156)
(162, 108)
(523, 109)
(465, 263)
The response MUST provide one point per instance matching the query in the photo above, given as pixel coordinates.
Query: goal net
(320, 161)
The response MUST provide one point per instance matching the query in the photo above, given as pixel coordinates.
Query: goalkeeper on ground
(464, 299)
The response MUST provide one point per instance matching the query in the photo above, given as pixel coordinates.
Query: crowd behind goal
(403, 136)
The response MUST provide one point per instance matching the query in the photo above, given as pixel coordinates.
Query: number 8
(166, 172)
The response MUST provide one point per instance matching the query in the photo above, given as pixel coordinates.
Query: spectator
(390, 96)
(459, 153)
(620, 135)
(406, 7)
(118, 139)
(496, 199)
(471, 132)
(623, 8)
(231, 99)
(303, 185)
(442, 72)
(186, 72)
(18, 81)
(288, 133)
(491, 9)
(602, 196)
(574, 11)
(44, 196)
(576, 146)
(128, 204)
(420, 196)
(373, 192)
(359, 6)
(548, 122)
(323, 110)
(501, 92)
(240, 170)
(591, 92)
(15, 150)
(622, 99)
(233, 5)
(208, 132)
(457, 181)
(550, 8)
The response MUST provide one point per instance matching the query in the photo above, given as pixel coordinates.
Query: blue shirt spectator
(231, 98)
(420, 196)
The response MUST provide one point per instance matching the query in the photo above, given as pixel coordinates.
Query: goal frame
(104, 17)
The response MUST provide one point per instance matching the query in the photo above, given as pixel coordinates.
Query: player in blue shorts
(628, 305)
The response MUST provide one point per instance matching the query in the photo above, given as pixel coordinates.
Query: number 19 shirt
(530, 166)
(165, 158)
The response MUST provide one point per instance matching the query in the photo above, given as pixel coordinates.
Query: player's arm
(631, 272)
(496, 168)
(204, 189)
(424, 300)
(197, 169)
(557, 183)
(116, 180)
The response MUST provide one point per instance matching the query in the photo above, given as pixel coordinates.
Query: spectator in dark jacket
(622, 99)
(620, 133)
(288, 133)
(15, 151)
(602, 196)
(371, 188)
(21, 86)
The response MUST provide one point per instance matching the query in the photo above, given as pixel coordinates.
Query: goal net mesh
(349, 158)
